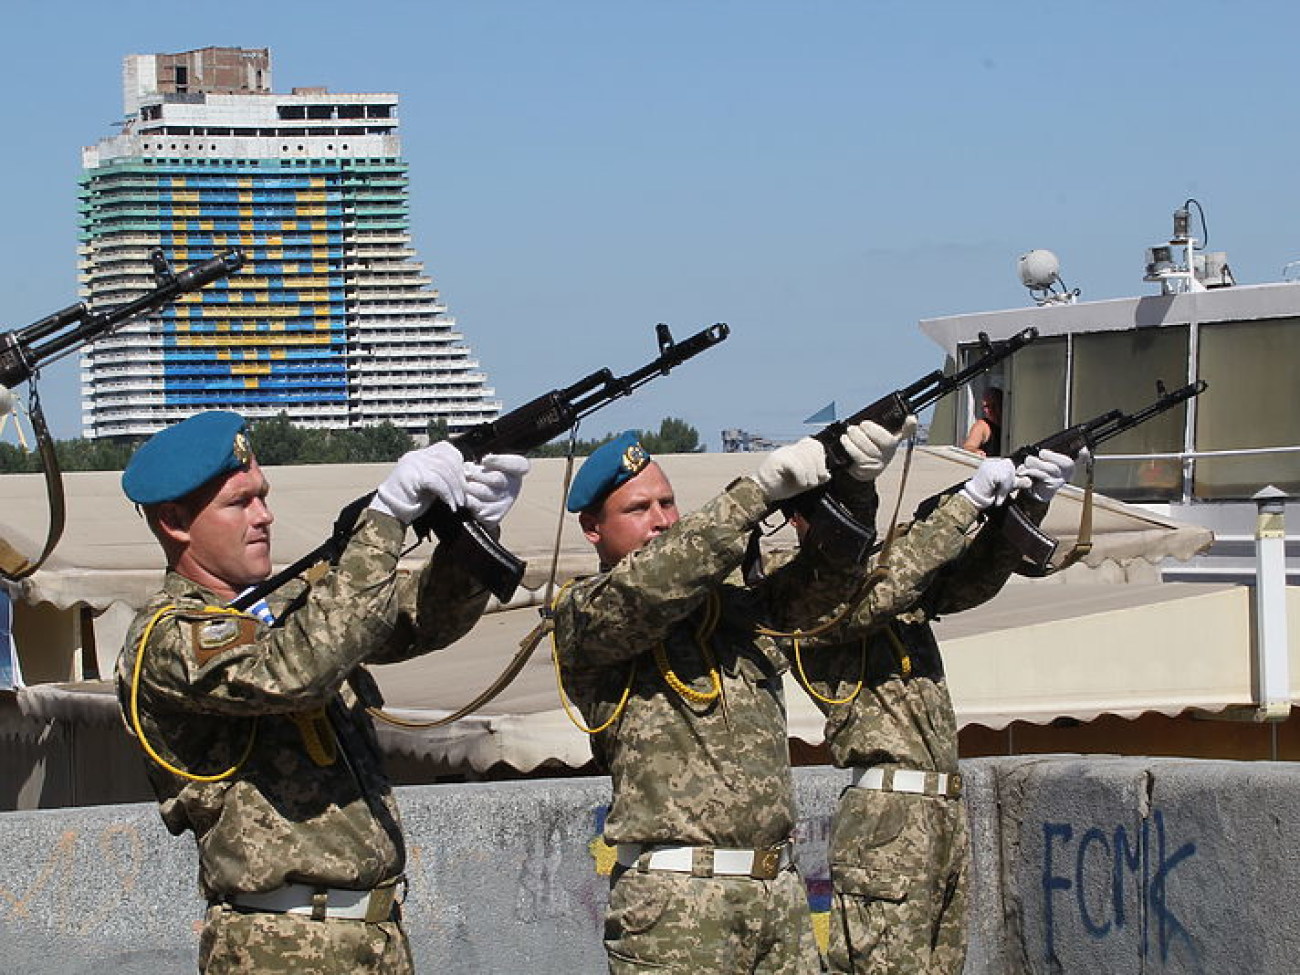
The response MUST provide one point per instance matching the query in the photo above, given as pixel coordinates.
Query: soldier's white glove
(1048, 471)
(871, 447)
(993, 482)
(492, 486)
(793, 469)
(419, 478)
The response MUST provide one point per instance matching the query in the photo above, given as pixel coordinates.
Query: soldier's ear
(174, 520)
(590, 525)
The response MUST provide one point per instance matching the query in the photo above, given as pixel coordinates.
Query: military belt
(321, 903)
(890, 779)
(708, 861)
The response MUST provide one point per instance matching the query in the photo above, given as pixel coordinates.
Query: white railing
(1198, 454)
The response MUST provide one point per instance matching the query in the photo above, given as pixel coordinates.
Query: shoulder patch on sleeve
(214, 635)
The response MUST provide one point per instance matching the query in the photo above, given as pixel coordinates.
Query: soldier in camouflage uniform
(661, 654)
(256, 724)
(899, 845)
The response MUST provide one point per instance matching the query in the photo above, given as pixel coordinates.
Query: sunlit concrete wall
(1081, 865)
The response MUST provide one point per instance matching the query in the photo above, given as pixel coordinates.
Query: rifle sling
(1083, 543)
(521, 657)
(887, 546)
(13, 565)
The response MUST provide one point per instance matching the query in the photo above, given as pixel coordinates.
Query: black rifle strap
(751, 565)
(13, 565)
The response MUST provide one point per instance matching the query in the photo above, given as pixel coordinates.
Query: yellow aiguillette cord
(712, 611)
(135, 702)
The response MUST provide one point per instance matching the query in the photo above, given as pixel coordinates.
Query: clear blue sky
(820, 174)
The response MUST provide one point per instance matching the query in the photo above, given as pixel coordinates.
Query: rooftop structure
(1203, 462)
(332, 320)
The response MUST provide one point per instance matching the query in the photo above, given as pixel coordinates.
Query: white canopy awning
(1000, 665)
(107, 554)
(1034, 653)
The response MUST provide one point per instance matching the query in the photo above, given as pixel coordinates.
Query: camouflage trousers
(899, 865)
(673, 922)
(280, 944)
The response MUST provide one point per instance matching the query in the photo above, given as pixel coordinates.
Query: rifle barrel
(1127, 421)
(673, 355)
(90, 325)
(946, 384)
(52, 323)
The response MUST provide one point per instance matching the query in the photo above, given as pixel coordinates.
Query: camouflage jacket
(902, 713)
(704, 772)
(284, 705)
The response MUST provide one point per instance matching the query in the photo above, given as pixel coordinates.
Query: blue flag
(825, 415)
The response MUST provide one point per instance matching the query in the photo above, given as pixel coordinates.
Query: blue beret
(609, 465)
(175, 461)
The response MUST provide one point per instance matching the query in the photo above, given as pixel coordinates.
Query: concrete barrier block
(507, 877)
(94, 890)
(503, 877)
(1080, 864)
(1223, 842)
(986, 945)
(1148, 865)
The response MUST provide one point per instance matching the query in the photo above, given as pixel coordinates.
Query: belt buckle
(384, 899)
(379, 905)
(767, 863)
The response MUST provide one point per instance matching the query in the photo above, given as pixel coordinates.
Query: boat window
(1120, 370)
(1034, 402)
(1251, 402)
(943, 422)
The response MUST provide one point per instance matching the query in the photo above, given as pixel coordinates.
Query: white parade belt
(890, 779)
(763, 864)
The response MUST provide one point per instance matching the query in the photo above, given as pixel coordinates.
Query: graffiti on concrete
(55, 894)
(1110, 881)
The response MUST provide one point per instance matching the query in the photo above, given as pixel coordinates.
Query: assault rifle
(520, 430)
(23, 352)
(831, 527)
(1036, 545)
(26, 350)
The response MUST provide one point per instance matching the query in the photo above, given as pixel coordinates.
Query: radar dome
(1039, 269)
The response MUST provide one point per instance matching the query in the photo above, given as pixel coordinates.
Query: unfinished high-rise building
(332, 320)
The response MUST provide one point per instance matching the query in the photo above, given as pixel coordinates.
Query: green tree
(15, 460)
(320, 447)
(382, 443)
(277, 441)
(674, 437)
(92, 455)
(437, 429)
(560, 447)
